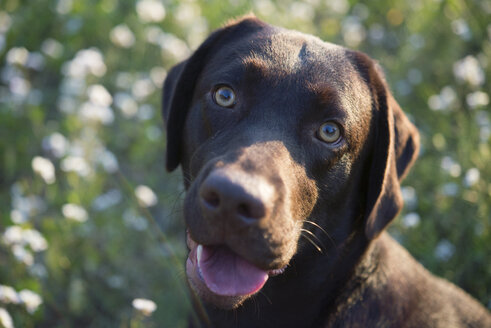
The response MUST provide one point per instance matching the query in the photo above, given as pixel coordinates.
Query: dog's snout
(235, 197)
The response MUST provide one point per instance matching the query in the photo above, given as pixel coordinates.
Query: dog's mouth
(221, 276)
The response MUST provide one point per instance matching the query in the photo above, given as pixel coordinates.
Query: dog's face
(279, 135)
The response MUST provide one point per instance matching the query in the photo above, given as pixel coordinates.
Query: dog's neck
(308, 292)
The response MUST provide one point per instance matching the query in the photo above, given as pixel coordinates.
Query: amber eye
(329, 132)
(224, 96)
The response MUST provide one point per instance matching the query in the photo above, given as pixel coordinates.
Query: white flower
(44, 168)
(99, 95)
(90, 112)
(108, 161)
(75, 164)
(18, 217)
(186, 13)
(476, 99)
(5, 319)
(35, 61)
(150, 10)
(472, 177)
(145, 306)
(86, 61)
(152, 34)
(145, 112)
(35, 240)
(19, 86)
(145, 196)
(376, 33)
(461, 28)
(353, 32)
(31, 300)
(468, 70)
(173, 46)
(124, 80)
(29, 205)
(74, 212)
(196, 32)
(450, 189)
(57, 144)
(72, 86)
(409, 196)
(448, 95)
(444, 250)
(8, 295)
(38, 270)
(64, 6)
(302, 11)
(12, 235)
(452, 167)
(122, 36)
(126, 103)
(104, 201)
(22, 254)
(411, 219)
(133, 220)
(338, 6)
(15, 235)
(158, 74)
(52, 48)
(17, 56)
(443, 101)
(142, 88)
(93, 61)
(5, 22)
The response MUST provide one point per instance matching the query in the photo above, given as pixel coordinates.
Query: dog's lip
(207, 286)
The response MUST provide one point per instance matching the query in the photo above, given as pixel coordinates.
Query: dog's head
(279, 135)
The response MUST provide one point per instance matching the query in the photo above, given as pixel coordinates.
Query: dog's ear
(395, 148)
(179, 85)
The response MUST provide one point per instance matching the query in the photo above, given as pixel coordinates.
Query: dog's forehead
(283, 53)
(290, 52)
(304, 66)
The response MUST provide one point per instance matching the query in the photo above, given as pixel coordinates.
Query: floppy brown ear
(395, 148)
(180, 83)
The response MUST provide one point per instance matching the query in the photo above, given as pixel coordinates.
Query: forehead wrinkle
(324, 93)
(226, 69)
(255, 65)
(276, 53)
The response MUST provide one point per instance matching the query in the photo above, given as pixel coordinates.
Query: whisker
(266, 296)
(256, 306)
(315, 237)
(312, 242)
(324, 231)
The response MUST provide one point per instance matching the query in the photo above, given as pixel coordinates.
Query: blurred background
(90, 223)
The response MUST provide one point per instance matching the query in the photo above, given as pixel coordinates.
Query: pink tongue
(225, 273)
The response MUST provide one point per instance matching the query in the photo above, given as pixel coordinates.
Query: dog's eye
(329, 132)
(224, 96)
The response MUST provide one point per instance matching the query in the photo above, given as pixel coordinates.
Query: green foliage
(90, 221)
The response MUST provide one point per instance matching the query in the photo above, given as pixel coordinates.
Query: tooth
(199, 249)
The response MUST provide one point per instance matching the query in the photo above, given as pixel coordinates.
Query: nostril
(243, 210)
(251, 210)
(211, 199)
(237, 198)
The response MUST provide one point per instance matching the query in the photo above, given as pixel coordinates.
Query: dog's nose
(235, 196)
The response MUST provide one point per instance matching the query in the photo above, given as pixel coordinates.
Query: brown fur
(262, 183)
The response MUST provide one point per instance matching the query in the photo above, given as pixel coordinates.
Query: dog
(292, 151)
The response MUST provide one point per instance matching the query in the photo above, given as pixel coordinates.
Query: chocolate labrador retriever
(293, 150)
